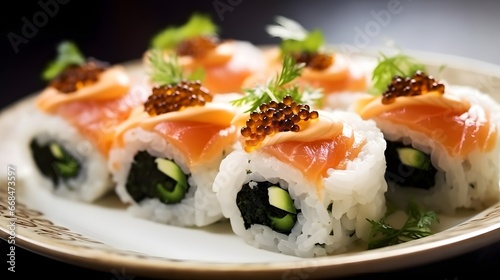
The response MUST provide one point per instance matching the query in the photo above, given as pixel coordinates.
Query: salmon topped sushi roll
(73, 123)
(335, 73)
(223, 64)
(442, 139)
(302, 182)
(166, 155)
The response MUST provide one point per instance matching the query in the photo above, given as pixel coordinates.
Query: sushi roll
(442, 139)
(69, 131)
(302, 182)
(166, 155)
(341, 78)
(223, 64)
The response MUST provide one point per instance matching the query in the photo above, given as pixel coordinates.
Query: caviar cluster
(419, 84)
(316, 60)
(77, 76)
(275, 117)
(197, 46)
(173, 98)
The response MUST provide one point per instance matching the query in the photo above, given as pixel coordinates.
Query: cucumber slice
(55, 162)
(172, 197)
(283, 225)
(153, 177)
(174, 172)
(414, 158)
(64, 164)
(281, 199)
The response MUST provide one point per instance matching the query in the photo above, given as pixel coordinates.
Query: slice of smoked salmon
(459, 131)
(354, 82)
(97, 120)
(341, 76)
(222, 79)
(225, 67)
(315, 158)
(199, 142)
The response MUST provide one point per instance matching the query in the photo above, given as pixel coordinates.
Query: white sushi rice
(470, 183)
(356, 194)
(92, 182)
(198, 208)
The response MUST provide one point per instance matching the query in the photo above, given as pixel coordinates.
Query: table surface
(120, 31)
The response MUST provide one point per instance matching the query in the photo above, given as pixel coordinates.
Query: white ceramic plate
(104, 236)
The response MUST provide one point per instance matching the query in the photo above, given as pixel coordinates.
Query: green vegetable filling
(267, 204)
(409, 167)
(151, 177)
(54, 162)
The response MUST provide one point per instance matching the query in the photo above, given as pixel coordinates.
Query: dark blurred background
(119, 31)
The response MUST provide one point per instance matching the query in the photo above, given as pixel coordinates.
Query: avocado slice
(283, 225)
(56, 150)
(281, 199)
(414, 158)
(173, 171)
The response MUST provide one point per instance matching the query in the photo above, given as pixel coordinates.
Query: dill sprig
(416, 226)
(67, 54)
(162, 71)
(279, 87)
(169, 71)
(388, 67)
(295, 38)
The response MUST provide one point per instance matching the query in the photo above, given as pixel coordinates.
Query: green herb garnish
(169, 71)
(197, 25)
(388, 67)
(68, 54)
(164, 72)
(416, 226)
(295, 38)
(279, 87)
